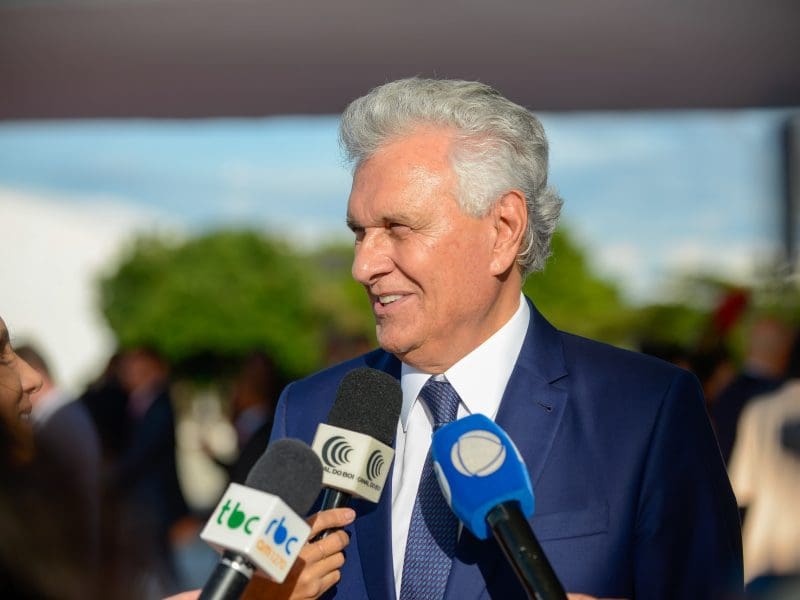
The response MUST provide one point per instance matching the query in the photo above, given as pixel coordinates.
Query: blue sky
(650, 195)
(648, 186)
(195, 173)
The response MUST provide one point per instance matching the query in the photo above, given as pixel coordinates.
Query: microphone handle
(522, 549)
(332, 498)
(229, 578)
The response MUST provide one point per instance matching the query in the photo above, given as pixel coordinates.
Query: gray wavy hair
(500, 146)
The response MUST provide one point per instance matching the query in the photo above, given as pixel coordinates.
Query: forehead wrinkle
(421, 176)
(421, 181)
(408, 169)
(425, 184)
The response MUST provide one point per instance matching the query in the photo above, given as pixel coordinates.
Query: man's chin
(405, 352)
(392, 344)
(396, 349)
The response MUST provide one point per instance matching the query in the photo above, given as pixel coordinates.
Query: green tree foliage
(341, 298)
(709, 310)
(674, 332)
(219, 295)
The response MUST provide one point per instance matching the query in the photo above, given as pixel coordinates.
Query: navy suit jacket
(632, 498)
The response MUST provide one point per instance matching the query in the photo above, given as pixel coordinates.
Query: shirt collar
(480, 378)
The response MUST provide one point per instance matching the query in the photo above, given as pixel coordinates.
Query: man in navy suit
(450, 209)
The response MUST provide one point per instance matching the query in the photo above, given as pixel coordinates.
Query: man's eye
(358, 232)
(399, 228)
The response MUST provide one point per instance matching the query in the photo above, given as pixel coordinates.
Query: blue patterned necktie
(431, 541)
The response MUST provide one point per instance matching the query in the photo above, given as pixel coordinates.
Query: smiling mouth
(25, 411)
(385, 300)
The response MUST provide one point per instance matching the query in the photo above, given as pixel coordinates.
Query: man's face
(139, 370)
(424, 263)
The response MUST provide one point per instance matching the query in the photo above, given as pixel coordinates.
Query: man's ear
(510, 214)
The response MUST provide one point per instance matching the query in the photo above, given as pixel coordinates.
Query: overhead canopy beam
(204, 58)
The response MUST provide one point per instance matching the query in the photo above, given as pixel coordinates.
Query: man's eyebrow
(352, 223)
(5, 340)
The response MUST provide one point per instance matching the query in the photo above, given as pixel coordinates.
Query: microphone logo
(236, 517)
(352, 462)
(478, 453)
(375, 464)
(336, 451)
(281, 535)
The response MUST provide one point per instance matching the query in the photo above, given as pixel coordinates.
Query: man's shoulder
(306, 402)
(569, 354)
(333, 375)
(610, 385)
(319, 389)
(600, 361)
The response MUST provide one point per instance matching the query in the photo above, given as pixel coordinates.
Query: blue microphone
(485, 482)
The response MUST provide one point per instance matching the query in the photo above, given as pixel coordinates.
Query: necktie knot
(442, 400)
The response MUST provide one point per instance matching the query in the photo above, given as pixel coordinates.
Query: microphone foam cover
(368, 401)
(290, 470)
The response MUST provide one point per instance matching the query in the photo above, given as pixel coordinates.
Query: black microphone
(355, 445)
(259, 525)
(487, 486)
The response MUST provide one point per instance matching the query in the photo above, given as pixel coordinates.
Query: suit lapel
(534, 400)
(374, 523)
(530, 412)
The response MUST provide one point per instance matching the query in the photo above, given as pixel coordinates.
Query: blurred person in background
(107, 401)
(765, 474)
(252, 409)
(144, 478)
(712, 364)
(711, 359)
(64, 433)
(41, 554)
(768, 345)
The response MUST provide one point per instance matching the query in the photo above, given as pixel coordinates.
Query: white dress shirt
(480, 379)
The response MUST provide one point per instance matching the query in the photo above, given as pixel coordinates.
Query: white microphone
(259, 525)
(355, 445)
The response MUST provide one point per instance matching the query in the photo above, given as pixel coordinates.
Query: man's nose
(372, 258)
